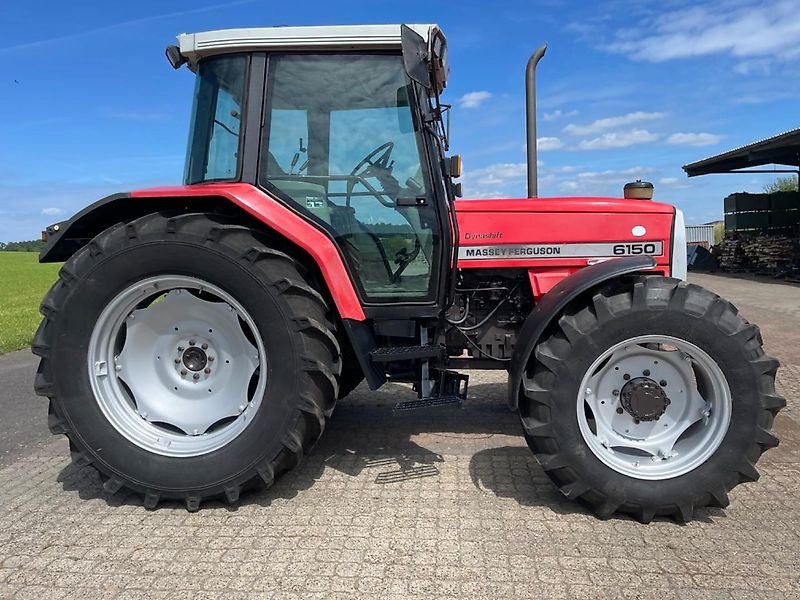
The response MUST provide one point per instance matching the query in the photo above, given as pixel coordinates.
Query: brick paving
(442, 503)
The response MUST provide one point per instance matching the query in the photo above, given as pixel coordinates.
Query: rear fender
(556, 300)
(64, 239)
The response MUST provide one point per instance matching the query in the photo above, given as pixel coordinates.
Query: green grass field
(23, 283)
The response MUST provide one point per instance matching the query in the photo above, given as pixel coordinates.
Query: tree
(782, 184)
(26, 246)
(719, 232)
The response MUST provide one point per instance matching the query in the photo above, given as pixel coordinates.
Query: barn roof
(781, 149)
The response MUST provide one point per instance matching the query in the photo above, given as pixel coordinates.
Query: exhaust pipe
(530, 118)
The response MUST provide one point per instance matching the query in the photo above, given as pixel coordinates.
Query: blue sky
(629, 88)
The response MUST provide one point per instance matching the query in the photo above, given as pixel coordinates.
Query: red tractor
(198, 336)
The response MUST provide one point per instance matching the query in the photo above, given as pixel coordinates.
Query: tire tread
(309, 311)
(551, 354)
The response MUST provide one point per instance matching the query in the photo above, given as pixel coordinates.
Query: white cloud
(693, 139)
(582, 27)
(673, 182)
(765, 97)
(608, 181)
(52, 211)
(497, 173)
(474, 99)
(565, 169)
(736, 28)
(558, 114)
(500, 180)
(755, 66)
(548, 143)
(618, 139)
(612, 122)
(613, 174)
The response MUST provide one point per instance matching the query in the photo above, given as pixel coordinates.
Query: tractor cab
(343, 125)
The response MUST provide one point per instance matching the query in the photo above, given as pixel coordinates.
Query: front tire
(650, 398)
(185, 359)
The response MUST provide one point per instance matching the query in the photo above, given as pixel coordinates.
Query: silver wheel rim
(694, 420)
(177, 366)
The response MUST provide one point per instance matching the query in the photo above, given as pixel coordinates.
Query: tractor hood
(571, 204)
(557, 236)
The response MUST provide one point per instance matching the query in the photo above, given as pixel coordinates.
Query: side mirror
(415, 52)
(458, 191)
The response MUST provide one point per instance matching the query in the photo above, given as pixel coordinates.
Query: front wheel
(650, 398)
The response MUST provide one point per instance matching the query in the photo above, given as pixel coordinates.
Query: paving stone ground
(442, 503)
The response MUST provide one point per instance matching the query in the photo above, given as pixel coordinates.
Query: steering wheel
(382, 162)
(375, 164)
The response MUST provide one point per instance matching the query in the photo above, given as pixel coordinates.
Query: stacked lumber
(768, 253)
(730, 253)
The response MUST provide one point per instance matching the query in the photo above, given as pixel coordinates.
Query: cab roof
(195, 46)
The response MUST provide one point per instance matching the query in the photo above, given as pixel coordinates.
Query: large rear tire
(185, 359)
(653, 397)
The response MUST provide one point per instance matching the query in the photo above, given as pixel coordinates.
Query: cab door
(343, 144)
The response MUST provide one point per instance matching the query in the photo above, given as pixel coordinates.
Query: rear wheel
(651, 398)
(185, 359)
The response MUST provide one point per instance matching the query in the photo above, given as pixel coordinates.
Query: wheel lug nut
(619, 410)
(626, 377)
(636, 421)
(204, 346)
(646, 372)
(191, 342)
(183, 371)
(196, 376)
(181, 348)
(210, 359)
(177, 361)
(615, 393)
(206, 370)
(662, 383)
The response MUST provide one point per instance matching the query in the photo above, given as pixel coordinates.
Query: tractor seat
(360, 245)
(310, 196)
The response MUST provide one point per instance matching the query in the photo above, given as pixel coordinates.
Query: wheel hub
(644, 399)
(195, 359)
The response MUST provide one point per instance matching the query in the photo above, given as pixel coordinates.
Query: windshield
(342, 143)
(215, 137)
(329, 116)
